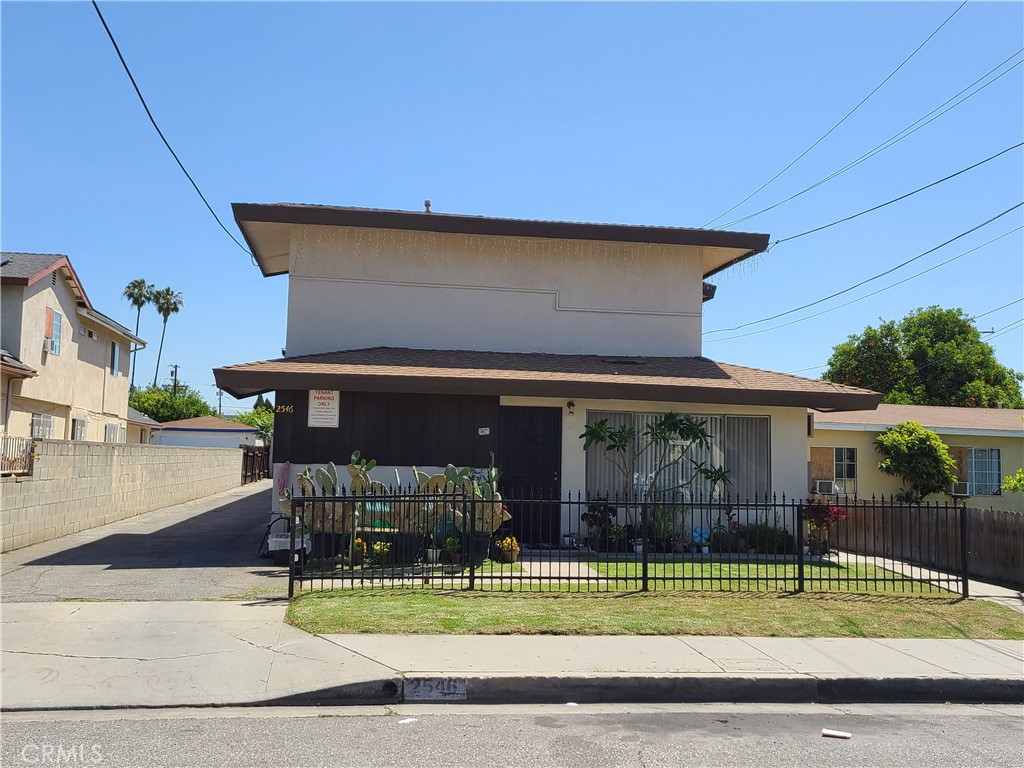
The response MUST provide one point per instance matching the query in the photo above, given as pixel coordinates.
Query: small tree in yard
(163, 404)
(918, 457)
(262, 419)
(626, 449)
(1014, 483)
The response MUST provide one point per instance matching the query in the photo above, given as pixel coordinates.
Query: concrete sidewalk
(70, 655)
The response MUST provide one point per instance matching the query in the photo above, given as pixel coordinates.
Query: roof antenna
(426, 205)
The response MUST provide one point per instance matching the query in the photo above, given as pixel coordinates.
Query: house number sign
(323, 408)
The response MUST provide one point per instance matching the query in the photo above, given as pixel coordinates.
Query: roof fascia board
(244, 384)
(482, 225)
(62, 263)
(980, 432)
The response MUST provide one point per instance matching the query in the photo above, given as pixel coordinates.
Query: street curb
(695, 689)
(625, 689)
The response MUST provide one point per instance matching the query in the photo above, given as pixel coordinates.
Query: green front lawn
(431, 611)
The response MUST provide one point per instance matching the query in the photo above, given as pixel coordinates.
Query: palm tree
(167, 303)
(139, 293)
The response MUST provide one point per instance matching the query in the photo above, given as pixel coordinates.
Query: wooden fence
(255, 463)
(933, 535)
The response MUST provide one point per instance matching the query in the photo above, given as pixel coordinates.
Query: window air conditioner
(826, 487)
(960, 489)
(49, 345)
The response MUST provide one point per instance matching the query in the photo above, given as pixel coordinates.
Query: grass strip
(748, 615)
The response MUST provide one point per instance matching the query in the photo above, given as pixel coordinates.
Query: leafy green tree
(917, 456)
(167, 303)
(139, 293)
(161, 404)
(932, 356)
(1014, 483)
(261, 418)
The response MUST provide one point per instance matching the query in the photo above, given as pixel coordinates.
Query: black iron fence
(464, 541)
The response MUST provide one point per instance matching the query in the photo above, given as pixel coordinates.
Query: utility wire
(895, 139)
(163, 138)
(975, 317)
(873, 293)
(845, 117)
(897, 199)
(1011, 327)
(991, 311)
(870, 279)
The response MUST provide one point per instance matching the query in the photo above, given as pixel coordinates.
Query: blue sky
(654, 113)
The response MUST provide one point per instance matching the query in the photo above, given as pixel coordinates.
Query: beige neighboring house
(65, 364)
(206, 432)
(986, 443)
(141, 428)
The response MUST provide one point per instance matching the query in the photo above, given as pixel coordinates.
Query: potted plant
(616, 538)
(507, 549)
(820, 518)
(450, 552)
(358, 551)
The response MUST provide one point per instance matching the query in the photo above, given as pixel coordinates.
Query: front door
(530, 459)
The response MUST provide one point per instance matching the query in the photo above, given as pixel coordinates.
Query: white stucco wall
(351, 288)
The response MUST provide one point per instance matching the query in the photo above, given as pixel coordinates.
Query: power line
(895, 139)
(975, 317)
(867, 280)
(1010, 304)
(163, 138)
(1006, 329)
(845, 117)
(873, 293)
(897, 199)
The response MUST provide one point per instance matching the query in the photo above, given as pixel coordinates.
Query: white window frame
(988, 462)
(55, 339)
(110, 432)
(115, 359)
(42, 426)
(842, 483)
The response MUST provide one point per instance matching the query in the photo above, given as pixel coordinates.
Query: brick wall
(75, 486)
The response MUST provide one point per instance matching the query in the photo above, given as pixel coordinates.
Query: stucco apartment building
(422, 338)
(65, 364)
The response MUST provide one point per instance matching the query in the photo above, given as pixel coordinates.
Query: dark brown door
(530, 459)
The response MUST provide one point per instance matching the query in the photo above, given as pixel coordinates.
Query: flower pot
(705, 550)
(638, 548)
(508, 555)
(433, 555)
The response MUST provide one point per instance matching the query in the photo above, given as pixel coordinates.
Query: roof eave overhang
(111, 325)
(19, 373)
(747, 244)
(241, 384)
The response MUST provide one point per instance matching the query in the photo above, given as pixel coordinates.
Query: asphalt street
(538, 737)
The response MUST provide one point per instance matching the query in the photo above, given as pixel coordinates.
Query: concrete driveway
(201, 550)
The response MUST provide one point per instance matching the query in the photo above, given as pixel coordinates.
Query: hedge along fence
(932, 535)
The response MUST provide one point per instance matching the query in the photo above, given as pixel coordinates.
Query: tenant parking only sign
(323, 408)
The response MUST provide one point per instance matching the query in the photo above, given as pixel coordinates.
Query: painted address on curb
(435, 689)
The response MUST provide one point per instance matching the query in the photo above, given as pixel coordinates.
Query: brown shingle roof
(674, 379)
(207, 423)
(933, 417)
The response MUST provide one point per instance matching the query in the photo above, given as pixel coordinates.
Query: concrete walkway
(70, 655)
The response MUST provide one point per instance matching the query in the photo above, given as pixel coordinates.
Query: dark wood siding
(396, 429)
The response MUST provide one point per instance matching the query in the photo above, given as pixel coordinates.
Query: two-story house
(65, 364)
(421, 339)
